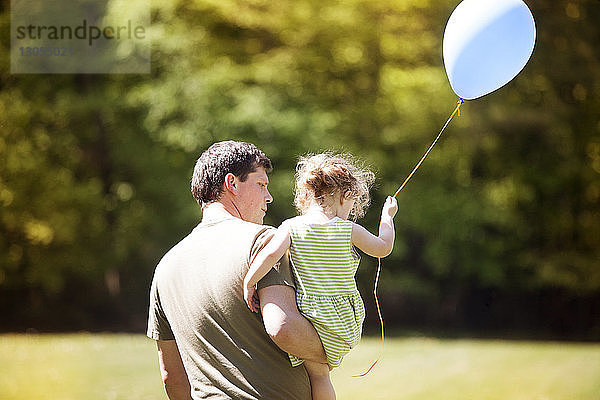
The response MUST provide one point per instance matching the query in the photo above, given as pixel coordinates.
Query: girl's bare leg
(320, 382)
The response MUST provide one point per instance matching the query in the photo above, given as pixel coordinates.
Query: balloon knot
(460, 102)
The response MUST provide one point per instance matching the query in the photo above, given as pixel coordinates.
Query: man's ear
(230, 183)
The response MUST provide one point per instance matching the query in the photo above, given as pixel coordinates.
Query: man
(210, 345)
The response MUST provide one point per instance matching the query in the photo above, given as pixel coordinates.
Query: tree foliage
(94, 169)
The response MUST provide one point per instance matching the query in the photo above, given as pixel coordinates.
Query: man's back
(196, 298)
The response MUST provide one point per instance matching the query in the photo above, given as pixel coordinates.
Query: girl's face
(344, 207)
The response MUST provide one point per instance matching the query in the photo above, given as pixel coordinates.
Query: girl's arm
(263, 262)
(382, 245)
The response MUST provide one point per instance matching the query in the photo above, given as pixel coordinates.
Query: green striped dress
(324, 263)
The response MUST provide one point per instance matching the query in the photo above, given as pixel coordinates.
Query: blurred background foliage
(497, 234)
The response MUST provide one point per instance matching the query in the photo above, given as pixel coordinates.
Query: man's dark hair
(238, 158)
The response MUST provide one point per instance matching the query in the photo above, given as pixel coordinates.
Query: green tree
(94, 169)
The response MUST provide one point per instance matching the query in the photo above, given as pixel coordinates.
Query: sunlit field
(111, 367)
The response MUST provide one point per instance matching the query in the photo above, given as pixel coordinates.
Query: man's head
(233, 172)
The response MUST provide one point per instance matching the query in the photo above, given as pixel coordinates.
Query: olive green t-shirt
(196, 299)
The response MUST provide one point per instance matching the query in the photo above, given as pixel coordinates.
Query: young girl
(329, 189)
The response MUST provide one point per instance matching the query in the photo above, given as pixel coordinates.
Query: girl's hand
(251, 298)
(390, 207)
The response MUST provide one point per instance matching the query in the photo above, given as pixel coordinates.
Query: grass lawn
(112, 367)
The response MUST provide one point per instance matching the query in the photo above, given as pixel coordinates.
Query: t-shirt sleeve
(158, 326)
(281, 273)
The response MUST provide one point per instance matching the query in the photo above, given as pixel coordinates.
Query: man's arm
(290, 331)
(173, 374)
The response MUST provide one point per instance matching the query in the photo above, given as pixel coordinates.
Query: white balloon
(486, 44)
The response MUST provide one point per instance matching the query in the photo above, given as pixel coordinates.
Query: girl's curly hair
(319, 177)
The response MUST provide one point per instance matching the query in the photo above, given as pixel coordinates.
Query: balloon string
(457, 112)
(380, 320)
